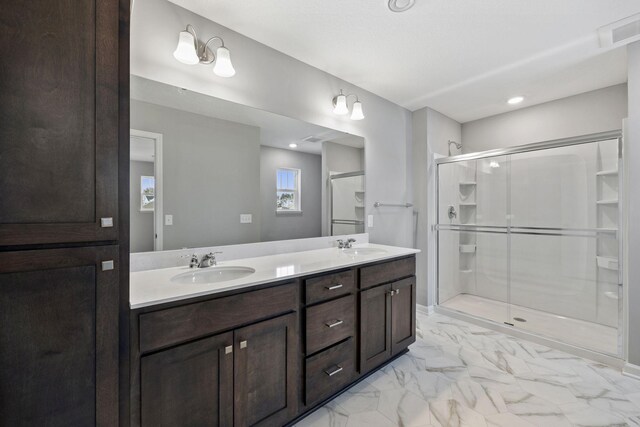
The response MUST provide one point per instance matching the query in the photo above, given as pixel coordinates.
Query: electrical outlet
(370, 221)
(246, 218)
(168, 220)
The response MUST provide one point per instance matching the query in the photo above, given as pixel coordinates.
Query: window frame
(297, 191)
(142, 208)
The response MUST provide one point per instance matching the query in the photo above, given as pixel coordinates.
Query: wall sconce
(191, 51)
(340, 106)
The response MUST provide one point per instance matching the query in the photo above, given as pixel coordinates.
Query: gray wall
(141, 222)
(210, 176)
(275, 82)
(597, 111)
(632, 147)
(431, 131)
(284, 226)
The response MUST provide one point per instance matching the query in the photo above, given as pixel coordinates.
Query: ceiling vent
(312, 139)
(620, 32)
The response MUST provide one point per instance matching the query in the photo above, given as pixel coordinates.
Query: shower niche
(534, 241)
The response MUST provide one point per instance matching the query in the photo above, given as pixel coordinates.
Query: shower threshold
(580, 333)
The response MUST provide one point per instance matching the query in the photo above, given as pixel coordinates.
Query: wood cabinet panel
(375, 327)
(266, 372)
(329, 371)
(329, 323)
(403, 314)
(59, 127)
(58, 337)
(172, 326)
(329, 286)
(189, 385)
(388, 271)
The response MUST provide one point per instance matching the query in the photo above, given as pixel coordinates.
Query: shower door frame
(546, 231)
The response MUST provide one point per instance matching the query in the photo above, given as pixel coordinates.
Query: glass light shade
(341, 105)
(356, 112)
(186, 50)
(223, 66)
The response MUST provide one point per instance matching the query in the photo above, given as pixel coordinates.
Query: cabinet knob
(228, 349)
(334, 287)
(243, 344)
(335, 371)
(334, 324)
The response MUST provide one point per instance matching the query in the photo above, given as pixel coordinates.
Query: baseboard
(631, 370)
(424, 309)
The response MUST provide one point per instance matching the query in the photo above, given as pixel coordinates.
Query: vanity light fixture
(515, 100)
(191, 51)
(340, 106)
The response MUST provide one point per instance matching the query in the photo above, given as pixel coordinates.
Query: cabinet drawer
(163, 328)
(330, 322)
(329, 286)
(329, 371)
(387, 272)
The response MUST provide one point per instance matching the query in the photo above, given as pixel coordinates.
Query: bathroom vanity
(266, 348)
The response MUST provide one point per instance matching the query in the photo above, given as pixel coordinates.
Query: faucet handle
(193, 262)
(340, 243)
(351, 240)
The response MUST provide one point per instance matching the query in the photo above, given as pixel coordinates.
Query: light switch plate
(370, 221)
(168, 220)
(246, 218)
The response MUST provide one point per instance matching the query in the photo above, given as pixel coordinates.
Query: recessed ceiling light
(515, 100)
(293, 145)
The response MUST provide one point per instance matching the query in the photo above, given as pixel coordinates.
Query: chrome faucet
(345, 244)
(207, 260)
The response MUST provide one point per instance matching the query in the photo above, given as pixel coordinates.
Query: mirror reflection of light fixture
(340, 106)
(191, 51)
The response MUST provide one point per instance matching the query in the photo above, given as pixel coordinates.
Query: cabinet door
(59, 337)
(403, 314)
(266, 372)
(189, 385)
(59, 126)
(375, 327)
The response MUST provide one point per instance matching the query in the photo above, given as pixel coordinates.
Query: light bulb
(340, 106)
(515, 100)
(186, 50)
(356, 113)
(293, 145)
(223, 67)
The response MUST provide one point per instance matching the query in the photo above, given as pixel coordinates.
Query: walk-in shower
(347, 203)
(530, 237)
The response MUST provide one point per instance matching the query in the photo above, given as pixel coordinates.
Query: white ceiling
(275, 130)
(464, 58)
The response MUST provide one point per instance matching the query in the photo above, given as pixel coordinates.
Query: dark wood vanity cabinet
(265, 357)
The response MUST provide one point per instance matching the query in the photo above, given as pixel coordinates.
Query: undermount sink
(213, 275)
(364, 251)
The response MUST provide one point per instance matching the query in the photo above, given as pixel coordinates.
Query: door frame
(158, 229)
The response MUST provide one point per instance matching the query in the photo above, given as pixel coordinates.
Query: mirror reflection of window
(287, 190)
(147, 193)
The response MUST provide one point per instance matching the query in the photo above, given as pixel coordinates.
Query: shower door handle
(452, 212)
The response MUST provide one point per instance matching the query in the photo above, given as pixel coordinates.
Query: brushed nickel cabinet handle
(243, 344)
(397, 291)
(334, 324)
(335, 371)
(107, 265)
(228, 349)
(334, 287)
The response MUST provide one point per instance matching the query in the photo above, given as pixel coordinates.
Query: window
(287, 190)
(147, 193)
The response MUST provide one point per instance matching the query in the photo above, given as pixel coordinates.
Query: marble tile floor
(459, 374)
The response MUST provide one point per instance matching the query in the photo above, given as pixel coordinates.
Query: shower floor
(589, 335)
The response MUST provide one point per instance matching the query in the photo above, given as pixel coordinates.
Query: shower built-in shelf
(608, 172)
(462, 183)
(467, 204)
(609, 263)
(467, 249)
(467, 271)
(607, 202)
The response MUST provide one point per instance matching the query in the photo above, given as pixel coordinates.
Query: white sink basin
(364, 251)
(213, 275)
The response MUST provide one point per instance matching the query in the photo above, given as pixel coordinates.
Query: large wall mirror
(209, 172)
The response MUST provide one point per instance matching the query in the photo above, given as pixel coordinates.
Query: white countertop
(155, 286)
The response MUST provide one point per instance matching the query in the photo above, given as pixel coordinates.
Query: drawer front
(163, 328)
(330, 322)
(329, 371)
(387, 272)
(329, 286)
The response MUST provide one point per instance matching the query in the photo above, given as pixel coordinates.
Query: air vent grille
(621, 32)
